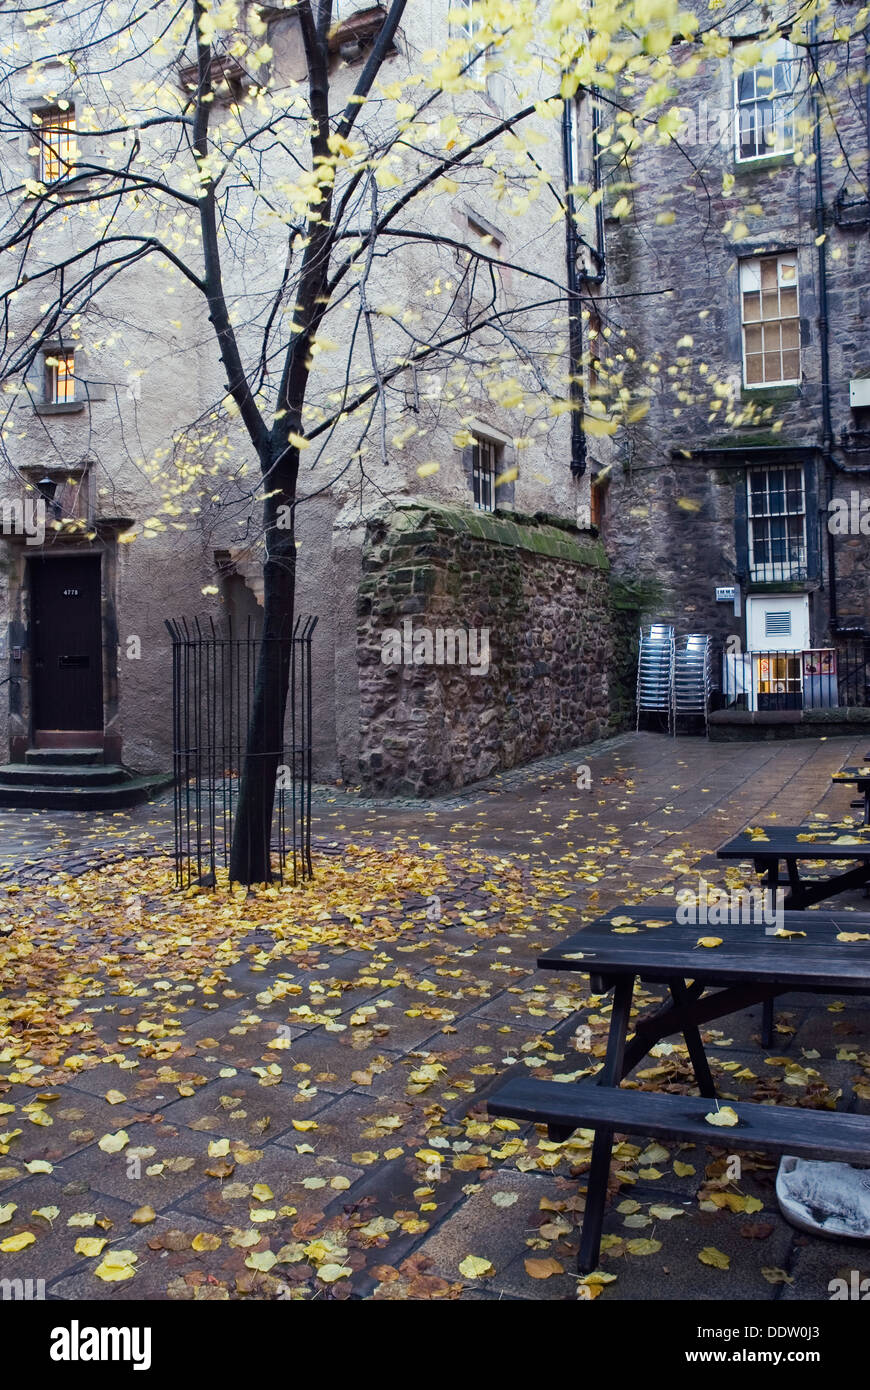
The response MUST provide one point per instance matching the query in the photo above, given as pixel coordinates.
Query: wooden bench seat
(565, 1106)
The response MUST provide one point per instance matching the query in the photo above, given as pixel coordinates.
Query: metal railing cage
(213, 677)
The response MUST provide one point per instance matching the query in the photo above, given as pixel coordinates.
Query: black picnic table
(858, 776)
(769, 844)
(750, 966)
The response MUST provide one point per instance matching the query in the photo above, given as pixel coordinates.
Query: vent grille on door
(777, 624)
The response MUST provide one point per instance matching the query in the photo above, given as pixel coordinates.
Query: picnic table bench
(858, 776)
(749, 967)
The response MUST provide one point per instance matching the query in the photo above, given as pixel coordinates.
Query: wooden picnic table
(767, 845)
(751, 966)
(858, 776)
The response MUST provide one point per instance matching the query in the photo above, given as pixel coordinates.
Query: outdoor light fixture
(47, 490)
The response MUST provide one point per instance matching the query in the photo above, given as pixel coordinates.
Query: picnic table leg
(599, 1168)
(697, 1055)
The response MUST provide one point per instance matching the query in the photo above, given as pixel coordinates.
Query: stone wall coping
(517, 530)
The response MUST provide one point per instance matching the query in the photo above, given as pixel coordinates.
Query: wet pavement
(468, 1005)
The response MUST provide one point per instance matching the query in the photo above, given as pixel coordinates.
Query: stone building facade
(82, 609)
(735, 304)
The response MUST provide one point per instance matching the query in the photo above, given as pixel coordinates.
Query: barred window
(777, 523)
(771, 327)
(484, 459)
(54, 130)
(764, 102)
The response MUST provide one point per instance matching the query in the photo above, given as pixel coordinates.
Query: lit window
(597, 493)
(60, 381)
(484, 458)
(771, 328)
(764, 103)
(777, 515)
(55, 139)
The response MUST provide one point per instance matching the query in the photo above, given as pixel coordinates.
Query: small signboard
(726, 594)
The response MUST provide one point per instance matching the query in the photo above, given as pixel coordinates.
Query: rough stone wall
(670, 305)
(541, 590)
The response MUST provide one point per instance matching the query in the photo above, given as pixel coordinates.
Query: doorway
(66, 646)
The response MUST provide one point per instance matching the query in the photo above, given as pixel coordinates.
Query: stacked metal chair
(655, 671)
(692, 677)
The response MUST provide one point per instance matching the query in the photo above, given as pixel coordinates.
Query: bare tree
(347, 178)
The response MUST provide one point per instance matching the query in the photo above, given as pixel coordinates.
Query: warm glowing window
(55, 140)
(60, 381)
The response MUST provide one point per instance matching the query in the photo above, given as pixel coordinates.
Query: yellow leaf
(262, 1261)
(218, 1148)
(725, 1117)
(330, 1272)
(853, 936)
(683, 1170)
(114, 1143)
(47, 1213)
(14, 1243)
(711, 1256)
(115, 1097)
(643, 1246)
(710, 941)
(205, 1240)
(542, 1269)
(262, 1191)
(89, 1245)
(474, 1267)
(6, 1212)
(143, 1216)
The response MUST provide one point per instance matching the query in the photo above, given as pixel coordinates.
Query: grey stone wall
(542, 591)
(670, 305)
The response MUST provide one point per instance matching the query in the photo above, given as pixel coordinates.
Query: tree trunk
(250, 855)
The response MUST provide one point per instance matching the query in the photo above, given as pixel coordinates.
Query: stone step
(44, 796)
(63, 775)
(64, 757)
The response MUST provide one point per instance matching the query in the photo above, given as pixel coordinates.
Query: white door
(778, 623)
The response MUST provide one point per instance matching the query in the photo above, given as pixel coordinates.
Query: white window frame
(785, 570)
(783, 103)
(750, 282)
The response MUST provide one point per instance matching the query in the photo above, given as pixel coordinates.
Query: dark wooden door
(66, 641)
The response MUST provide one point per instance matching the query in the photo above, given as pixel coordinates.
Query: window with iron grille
(60, 380)
(771, 325)
(777, 516)
(484, 459)
(764, 102)
(54, 133)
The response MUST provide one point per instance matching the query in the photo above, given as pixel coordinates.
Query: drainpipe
(824, 341)
(575, 323)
